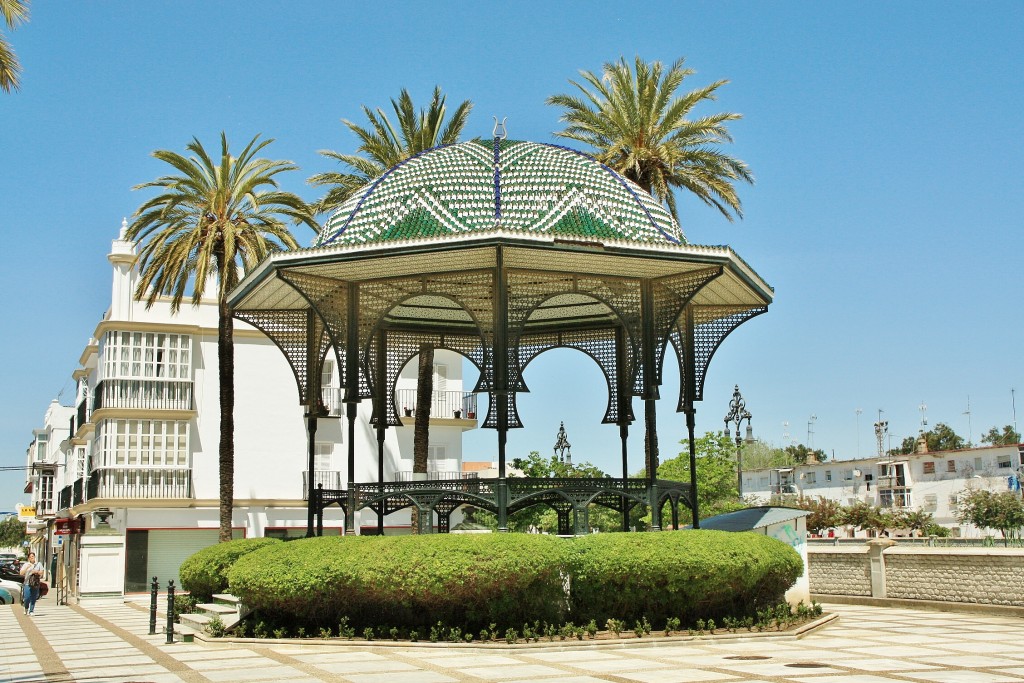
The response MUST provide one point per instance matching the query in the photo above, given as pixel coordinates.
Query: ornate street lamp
(562, 446)
(738, 413)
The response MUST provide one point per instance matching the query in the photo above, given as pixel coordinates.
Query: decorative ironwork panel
(711, 325)
(599, 344)
(329, 298)
(289, 330)
(671, 294)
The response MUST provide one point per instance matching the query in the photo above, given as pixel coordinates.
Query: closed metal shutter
(169, 548)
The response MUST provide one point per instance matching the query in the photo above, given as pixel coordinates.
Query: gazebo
(501, 250)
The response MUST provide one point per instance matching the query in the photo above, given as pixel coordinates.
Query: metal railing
(330, 396)
(140, 482)
(82, 414)
(331, 479)
(151, 393)
(64, 498)
(77, 489)
(433, 476)
(442, 403)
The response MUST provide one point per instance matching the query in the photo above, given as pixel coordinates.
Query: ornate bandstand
(500, 250)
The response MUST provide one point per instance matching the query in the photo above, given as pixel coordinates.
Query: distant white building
(928, 481)
(134, 462)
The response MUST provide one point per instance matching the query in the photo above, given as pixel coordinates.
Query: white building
(135, 461)
(928, 481)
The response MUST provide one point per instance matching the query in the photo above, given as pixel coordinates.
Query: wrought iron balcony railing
(140, 482)
(64, 498)
(77, 489)
(151, 393)
(442, 403)
(433, 476)
(331, 479)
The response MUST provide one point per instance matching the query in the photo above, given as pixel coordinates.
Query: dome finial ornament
(499, 131)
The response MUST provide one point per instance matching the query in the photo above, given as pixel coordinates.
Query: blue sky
(886, 139)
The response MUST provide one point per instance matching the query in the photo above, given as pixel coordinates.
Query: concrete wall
(992, 576)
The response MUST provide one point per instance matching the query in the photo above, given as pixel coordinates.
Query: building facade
(134, 462)
(932, 482)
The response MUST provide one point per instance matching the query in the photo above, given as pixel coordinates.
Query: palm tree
(382, 146)
(639, 127)
(214, 219)
(15, 12)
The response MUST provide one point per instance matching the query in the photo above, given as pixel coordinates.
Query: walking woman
(33, 573)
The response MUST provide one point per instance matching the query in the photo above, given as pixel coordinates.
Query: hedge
(472, 581)
(409, 581)
(205, 572)
(686, 574)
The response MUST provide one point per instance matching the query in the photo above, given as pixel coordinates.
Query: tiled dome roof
(513, 186)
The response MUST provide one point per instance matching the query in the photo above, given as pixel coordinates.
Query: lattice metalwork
(403, 346)
(671, 294)
(290, 330)
(329, 298)
(598, 344)
(711, 325)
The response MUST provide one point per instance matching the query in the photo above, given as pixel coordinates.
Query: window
(931, 501)
(847, 475)
(142, 443)
(42, 441)
(978, 464)
(929, 468)
(80, 462)
(146, 355)
(1004, 462)
(440, 377)
(435, 456)
(951, 465)
(954, 500)
(323, 456)
(811, 478)
(828, 475)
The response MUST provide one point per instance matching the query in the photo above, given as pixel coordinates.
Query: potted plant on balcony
(471, 414)
(408, 411)
(458, 414)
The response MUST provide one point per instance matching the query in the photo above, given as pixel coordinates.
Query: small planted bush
(689, 574)
(205, 572)
(472, 581)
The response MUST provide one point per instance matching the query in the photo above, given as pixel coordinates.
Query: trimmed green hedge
(472, 581)
(205, 573)
(686, 574)
(410, 581)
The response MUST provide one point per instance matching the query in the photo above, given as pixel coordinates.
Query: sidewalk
(109, 643)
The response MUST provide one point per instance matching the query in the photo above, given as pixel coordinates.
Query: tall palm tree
(15, 12)
(639, 126)
(214, 218)
(381, 147)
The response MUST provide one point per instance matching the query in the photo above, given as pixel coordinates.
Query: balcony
(77, 489)
(140, 482)
(443, 403)
(331, 399)
(330, 479)
(149, 394)
(64, 498)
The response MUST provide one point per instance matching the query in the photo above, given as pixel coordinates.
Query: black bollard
(170, 611)
(152, 606)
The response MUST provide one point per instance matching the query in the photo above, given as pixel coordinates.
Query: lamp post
(562, 446)
(738, 413)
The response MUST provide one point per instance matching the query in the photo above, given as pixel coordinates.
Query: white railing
(331, 479)
(331, 398)
(140, 482)
(432, 476)
(444, 404)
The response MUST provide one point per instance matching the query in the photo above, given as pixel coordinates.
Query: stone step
(227, 599)
(216, 608)
(182, 633)
(195, 621)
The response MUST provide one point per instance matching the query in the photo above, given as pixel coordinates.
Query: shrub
(413, 581)
(687, 574)
(205, 572)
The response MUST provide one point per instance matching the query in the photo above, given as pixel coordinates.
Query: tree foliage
(15, 13)
(986, 510)
(382, 145)
(825, 513)
(642, 128)
(716, 474)
(799, 454)
(939, 438)
(1007, 437)
(214, 219)
(12, 533)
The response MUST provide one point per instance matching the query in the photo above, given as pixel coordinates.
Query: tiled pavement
(109, 643)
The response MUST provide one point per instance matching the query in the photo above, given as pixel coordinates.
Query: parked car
(13, 588)
(5, 597)
(11, 571)
(7, 557)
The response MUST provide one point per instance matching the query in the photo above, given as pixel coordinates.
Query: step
(216, 608)
(195, 621)
(182, 634)
(227, 599)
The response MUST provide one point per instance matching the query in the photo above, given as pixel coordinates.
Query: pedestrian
(32, 572)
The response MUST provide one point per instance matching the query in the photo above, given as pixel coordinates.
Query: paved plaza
(109, 643)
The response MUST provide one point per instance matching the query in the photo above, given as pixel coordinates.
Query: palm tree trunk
(421, 430)
(226, 368)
